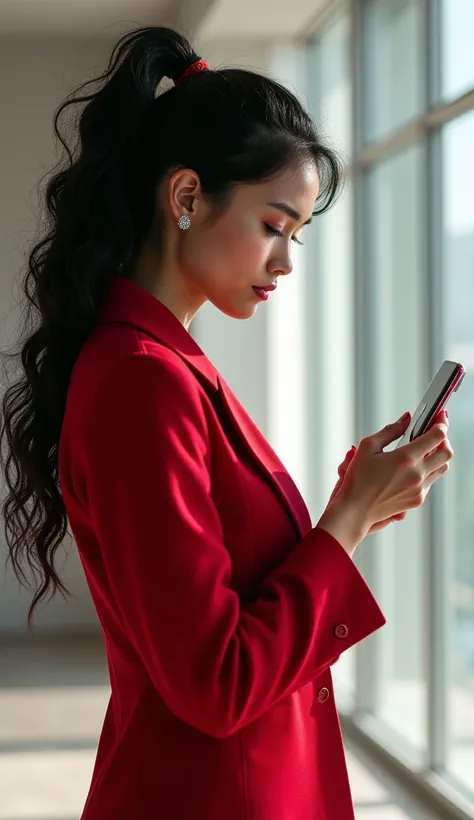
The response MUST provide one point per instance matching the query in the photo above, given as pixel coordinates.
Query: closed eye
(274, 232)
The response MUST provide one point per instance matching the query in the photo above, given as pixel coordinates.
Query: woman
(222, 607)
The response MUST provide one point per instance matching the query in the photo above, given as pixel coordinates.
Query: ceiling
(101, 19)
(260, 18)
(104, 19)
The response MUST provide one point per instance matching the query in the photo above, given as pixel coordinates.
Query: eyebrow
(289, 211)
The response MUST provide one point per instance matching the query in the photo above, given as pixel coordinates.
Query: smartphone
(443, 385)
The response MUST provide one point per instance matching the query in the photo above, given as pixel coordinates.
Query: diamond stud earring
(184, 222)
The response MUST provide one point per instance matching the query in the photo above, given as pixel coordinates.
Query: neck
(163, 279)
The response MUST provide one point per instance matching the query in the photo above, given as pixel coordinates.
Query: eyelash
(274, 232)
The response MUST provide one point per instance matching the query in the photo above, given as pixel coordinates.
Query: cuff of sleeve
(349, 611)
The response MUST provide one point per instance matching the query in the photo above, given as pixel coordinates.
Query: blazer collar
(127, 303)
(130, 304)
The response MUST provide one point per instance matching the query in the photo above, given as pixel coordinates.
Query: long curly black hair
(231, 126)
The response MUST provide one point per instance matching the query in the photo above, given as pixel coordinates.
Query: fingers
(385, 523)
(442, 417)
(442, 455)
(434, 476)
(436, 463)
(342, 469)
(426, 443)
(391, 432)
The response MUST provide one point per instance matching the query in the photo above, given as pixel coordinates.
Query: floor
(52, 701)
(402, 708)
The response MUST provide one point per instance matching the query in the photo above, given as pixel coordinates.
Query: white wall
(34, 78)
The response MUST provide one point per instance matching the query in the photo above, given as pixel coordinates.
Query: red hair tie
(195, 68)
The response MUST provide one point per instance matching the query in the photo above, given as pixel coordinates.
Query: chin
(237, 312)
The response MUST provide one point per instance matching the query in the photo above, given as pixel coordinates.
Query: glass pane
(457, 52)
(396, 281)
(391, 65)
(329, 295)
(458, 261)
(330, 82)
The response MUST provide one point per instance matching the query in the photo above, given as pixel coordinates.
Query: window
(391, 67)
(457, 52)
(389, 294)
(394, 238)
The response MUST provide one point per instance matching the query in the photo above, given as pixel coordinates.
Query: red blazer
(221, 608)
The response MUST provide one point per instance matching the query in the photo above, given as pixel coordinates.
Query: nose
(280, 266)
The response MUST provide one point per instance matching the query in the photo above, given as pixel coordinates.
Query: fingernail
(402, 418)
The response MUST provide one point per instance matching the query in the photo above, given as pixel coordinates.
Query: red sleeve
(216, 663)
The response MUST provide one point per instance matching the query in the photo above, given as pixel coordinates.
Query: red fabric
(222, 609)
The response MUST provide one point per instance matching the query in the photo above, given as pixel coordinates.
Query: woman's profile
(222, 606)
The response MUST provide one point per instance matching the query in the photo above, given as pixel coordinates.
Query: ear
(184, 192)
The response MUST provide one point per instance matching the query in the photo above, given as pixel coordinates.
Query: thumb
(391, 432)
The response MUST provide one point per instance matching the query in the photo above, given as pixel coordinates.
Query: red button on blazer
(217, 599)
(323, 694)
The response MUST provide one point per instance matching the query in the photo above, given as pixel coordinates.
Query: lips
(265, 287)
(261, 293)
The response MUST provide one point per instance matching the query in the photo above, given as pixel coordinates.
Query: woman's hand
(341, 471)
(379, 487)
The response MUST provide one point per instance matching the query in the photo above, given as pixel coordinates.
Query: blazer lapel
(267, 459)
(127, 303)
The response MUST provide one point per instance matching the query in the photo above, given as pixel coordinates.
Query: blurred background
(382, 292)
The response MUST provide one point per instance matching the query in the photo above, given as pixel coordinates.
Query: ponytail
(92, 233)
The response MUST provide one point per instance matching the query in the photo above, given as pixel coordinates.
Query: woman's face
(249, 246)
